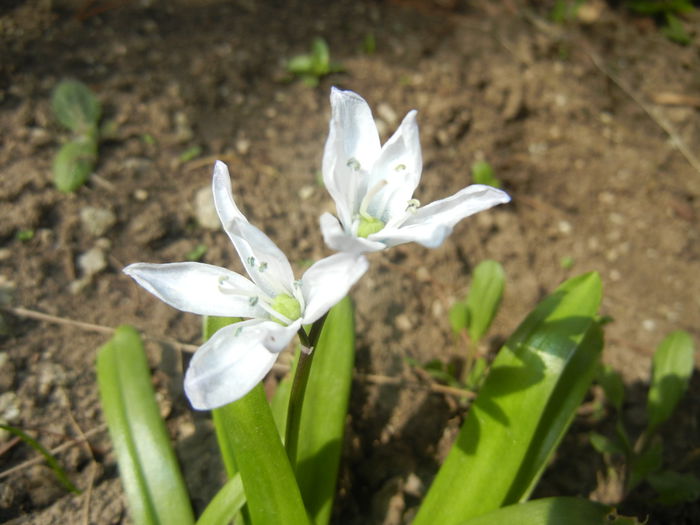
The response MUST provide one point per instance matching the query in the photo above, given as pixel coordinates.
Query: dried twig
(277, 368)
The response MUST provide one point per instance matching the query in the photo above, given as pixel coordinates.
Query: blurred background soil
(592, 125)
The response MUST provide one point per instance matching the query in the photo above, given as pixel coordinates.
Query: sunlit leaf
(75, 106)
(74, 163)
(324, 412)
(271, 489)
(484, 297)
(459, 317)
(482, 173)
(149, 471)
(523, 409)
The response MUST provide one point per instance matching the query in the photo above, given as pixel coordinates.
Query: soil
(591, 125)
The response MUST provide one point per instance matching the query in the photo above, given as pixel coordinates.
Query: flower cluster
(372, 186)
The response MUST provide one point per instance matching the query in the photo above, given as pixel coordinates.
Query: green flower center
(369, 225)
(286, 305)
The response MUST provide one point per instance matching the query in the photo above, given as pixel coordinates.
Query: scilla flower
(238, 356)
(373, 185)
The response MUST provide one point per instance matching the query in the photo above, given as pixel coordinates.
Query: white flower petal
(223, 198)
(338, 239)
(465, 202)
(430, 225)
(198, 288)
(399, 165)
(328, 281)
(351, 148)
(233, 361)
(263, 260)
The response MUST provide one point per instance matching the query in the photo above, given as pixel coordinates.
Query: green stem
(296, 397)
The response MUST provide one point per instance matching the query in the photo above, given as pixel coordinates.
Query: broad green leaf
(459, 317)
(74, 163)
(324, 412)
(225, 504)
(612, 385)
(149, 471)
(75, 106)
(553, 511)
(211, 324)
(484, 297)
(526, 403)
(482, 173)
(51, 460)
(674, 487)
(271, 489)
(672, 367)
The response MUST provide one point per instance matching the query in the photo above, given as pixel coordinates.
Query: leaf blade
(519, 416)
(149, 471)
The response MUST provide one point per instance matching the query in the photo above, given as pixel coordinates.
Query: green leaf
(675, 31)
(149, 471)
(484, 297)
(301, 64)
(459, 317)
(482, 173)
(225, 504)
(606, 445)
(280, 399)
(324, 412)
(75, 106)
(528, 400)
(612, 385)
(51, 460)
(672, 367)
(210, 324)
(644, 464)
(321, 56)
(553, 511)
(73, 164)
(674, 487)
(270, 487)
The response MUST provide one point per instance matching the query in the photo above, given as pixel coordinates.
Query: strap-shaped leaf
(324, 412)
(271, 490)
(149, 470)
(225, 505)
(51, 460)
(528, 400)
(554, 511)
(671, 370)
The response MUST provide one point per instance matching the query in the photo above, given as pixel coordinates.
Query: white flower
(238, 356)
(373, 185)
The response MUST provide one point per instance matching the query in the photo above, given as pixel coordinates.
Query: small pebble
(205, 209)
(97, 221)
(92, 262)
